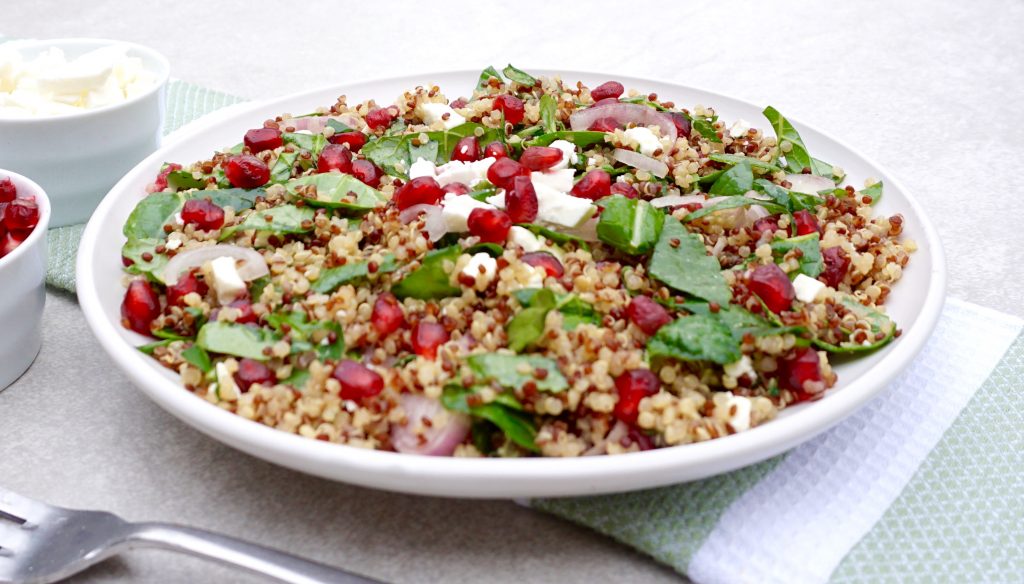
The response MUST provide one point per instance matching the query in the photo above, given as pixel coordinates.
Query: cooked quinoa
(538, 268)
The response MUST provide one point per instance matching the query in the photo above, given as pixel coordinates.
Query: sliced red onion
(641, 162)
(251, 263)
(409, 214)
(316, 124)
(755, 212)
(619, 431)
(809, 184)
(676, 200)
(624, 113)
(587, 231)
(738, 215)
(434, 223)
(447, 429)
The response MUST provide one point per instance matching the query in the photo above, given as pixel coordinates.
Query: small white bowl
(23, 290)
(77, 157)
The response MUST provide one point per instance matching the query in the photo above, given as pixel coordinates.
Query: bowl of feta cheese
(77, 114)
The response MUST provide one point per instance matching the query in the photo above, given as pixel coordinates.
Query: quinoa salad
(535, 268)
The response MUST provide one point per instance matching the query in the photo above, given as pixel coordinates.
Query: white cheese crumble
(568, 154)
(739, 128)
(807, 288)
(740, 420)
(227, 283)
(435, 112)
(560, 180)
(422, 167)
(554, 207)
(645, 139)
(227, 390)
(455, 210)
(481, 267)
(741, 367)
(525, 239)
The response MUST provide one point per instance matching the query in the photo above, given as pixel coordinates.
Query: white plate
(914, 304)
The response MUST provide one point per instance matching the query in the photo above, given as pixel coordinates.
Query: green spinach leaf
(811, 263)
(706, 128)
(527, 327)
(629, 225)
(581, 139)
(236, 339)
(198, 356)
(485, 77)
(695, 338)
(797, 159)
(515, 424)
(137, 250)
(237, 199)
(878, 324)
(732, 203)
(430, 281)
(738, 159)
(281, 219)
(519, 76)
(512, 371)
(149, 216)
(737, 180)
(874, 191)
(680, 262)
(313, 143)
(335, 190)
(283, 167)
(333, 278)
(548, 113)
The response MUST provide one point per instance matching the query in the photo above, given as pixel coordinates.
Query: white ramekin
(77, 157)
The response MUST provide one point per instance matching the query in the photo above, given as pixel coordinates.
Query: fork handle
(255, 558)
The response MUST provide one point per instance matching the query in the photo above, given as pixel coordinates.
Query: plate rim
(502, 477)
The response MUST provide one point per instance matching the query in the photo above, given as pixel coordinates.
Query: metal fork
(42, 543)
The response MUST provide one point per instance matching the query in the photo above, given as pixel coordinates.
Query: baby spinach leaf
(680, 262)
(629, 225)
(797, 159)
(237, 199)
(333, 278)
(582, 138)
(515, 424)
(138, 249)
(149, 216)
(695, 338)
(575, 311)
(548, 113)
(150, 348)
(281, 219)
(732, 203)
(710, 178)
(198, 356)
(809, 245)
(556, 236)
(338, 127)
(492, 249)
(236, 339)
(825, 169)
(519, 76)
(738, 159)
(528, 324)
(430, 280)
(183, 180)
(485, 77)
(297, 379)
(874, 191)
(281, 172)
(395, 154)
(878, 323)
(313, 143)
(302, 331)
(335, 190)
(735, 181)
(505, 371)
(707, 129)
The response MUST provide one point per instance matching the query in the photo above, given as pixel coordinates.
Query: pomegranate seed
(250, 372)
(543, 259)
(511, 106)
(427, 337)
(632, 386)
(540, 157)
(245, 171)
(21, 215)
(636, 436)
(381, 117)
(8, 191)
(837, 263)
(355, 140)
(495, 150)
(260, 139)
(490, 225)
(624, 189)
(334, 157)
(682, 124)
(420, 190)
(799, 369)
(456, 188)
(467, 149)
(607, 89)
(594, 185)
(504, 171)
(161, 179)
(245, 307)
(521, 200)
(772, 286)
(387, 315)
(766, 225)
(805, 222)
(140, 307)
(9, 241)
(357, 380)
(205, 215)
(647, 315)
(367, 172)
(604, 125)
(186, 283)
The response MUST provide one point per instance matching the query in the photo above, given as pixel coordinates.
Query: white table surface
(932, 90)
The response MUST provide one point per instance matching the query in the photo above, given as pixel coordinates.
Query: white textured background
(930, 89)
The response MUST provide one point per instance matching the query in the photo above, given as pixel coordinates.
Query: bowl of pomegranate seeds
(530, 286)
(24, 216)
(77, 114)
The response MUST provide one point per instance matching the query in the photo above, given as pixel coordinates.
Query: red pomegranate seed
(766, 225)
(607, 89)
(245, 171)
(456, 188)
(260, 139)
(632, 386)
(647, 315)
(367, 172)
(427, 337)
(799, 369)
(140, 307)
(357, 380)
(21, 215)
(504, 171)
(635, 436)
(540, 157)
(8, 191)
(511, 106)
(205, 215)
(805, 222)
(467, 149)
(9, 241)
(161, 179)
(772, 286)
(245, 307)
(624, 189)
(355, 140)
(251, 372)
(334, 157)
(681, 123)
(594, 185)
(387, 315)
(604, 125)
(381, 117)
(490, 225)
(837, 263)
(521, 200)
(186, 284)
(543, 259)
(495, 150)
(420, 190)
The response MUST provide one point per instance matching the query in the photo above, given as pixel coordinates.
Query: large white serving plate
(915, 305)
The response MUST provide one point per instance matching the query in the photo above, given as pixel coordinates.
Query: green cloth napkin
(185, 102)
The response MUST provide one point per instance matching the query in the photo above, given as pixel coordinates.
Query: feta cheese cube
(227, 283)
(467, 173)
(645, 139)
(740, 420)
(568, 154)
(435, 112)
(422, 167)
(560, 180)
(455, 210)
(481, 267)
(741, 367)
(739, 128)
(525, 239)
(560, 208)
(807, 288)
